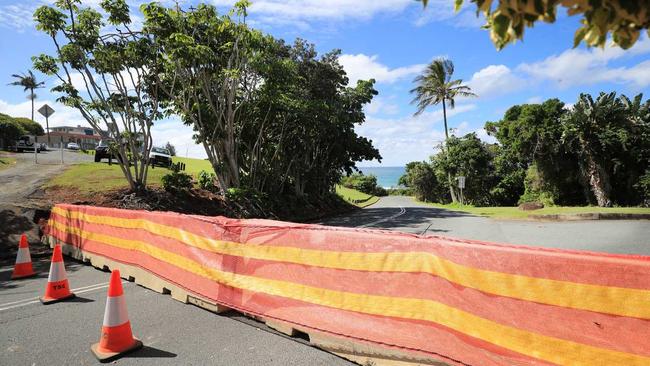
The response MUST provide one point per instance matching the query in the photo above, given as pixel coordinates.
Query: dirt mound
(203, 202)
(15, 221)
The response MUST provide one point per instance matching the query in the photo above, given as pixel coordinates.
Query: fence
(397, 296)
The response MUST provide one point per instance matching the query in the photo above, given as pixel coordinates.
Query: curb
(590, 216)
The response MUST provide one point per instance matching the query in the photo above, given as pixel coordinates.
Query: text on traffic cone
(57, 288)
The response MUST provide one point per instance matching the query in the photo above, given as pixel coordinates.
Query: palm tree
(28, 82)
(435, 86)
(595, 129)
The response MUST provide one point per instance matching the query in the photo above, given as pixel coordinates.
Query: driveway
(26, 177)
(404, 214)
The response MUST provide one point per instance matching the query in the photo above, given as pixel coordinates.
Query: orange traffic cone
(116, 338)
(57, 288)
(23, 267)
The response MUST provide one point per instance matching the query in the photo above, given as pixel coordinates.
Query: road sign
(461, 182)
(46, 111)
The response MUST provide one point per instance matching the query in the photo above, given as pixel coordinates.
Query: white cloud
(322, 10)
(584, 67)
(482, 134)
(63, 116)
(363, 67)
(17, 17)
(443, 11)
(494, 80)
(382, 105)
(410, 138)
(174, 131)
(534, 100)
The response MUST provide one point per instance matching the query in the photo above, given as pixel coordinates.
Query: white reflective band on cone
(23, 256)
(115, 313)
(57, 272)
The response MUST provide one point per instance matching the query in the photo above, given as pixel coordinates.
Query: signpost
(46, 111)
(461, 185)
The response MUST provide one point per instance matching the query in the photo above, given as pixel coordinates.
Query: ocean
(387, 176)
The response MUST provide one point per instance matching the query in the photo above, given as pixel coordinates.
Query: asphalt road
(175, 333)
(404, 214)
(26, 177)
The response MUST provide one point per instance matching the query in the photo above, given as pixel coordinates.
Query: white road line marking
(33, 300)
(400, 213)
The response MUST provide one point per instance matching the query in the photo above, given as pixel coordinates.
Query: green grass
(355, 197)
(7, 162)
(194, 166)
(97, 177)
(516, 213)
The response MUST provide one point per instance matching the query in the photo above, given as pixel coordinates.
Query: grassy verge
(516, 213)
(355, 197)
(98, 177)
(6, 162)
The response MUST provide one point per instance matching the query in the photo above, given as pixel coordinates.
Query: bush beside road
(355, 197)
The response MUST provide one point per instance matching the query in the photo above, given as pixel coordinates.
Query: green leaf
(500, 24)
(457, 5)
(579, 35)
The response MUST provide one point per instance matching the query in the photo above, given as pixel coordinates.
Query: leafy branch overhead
(507, 20)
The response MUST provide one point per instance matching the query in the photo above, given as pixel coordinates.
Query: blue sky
(391, 41)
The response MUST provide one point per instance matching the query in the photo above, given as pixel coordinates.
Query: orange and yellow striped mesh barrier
(463, 302)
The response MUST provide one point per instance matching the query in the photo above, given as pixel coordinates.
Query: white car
(72, 146)
(160, 156)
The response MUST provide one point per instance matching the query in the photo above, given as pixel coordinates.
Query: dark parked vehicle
(102, 151)
(27, 143)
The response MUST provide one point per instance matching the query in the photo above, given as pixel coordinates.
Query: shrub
(9, 133)
(537, 189)
(364, 183)
(206, 181)
(400, 192)
(176, 180)
(644, 187)
(380, 191)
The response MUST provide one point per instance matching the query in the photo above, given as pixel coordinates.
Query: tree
(595, 152)
(605, 133)
(625, 19)
(10, 131)
(30, 127)
(436, 86)
(28, 82)
(272, 118)
(207, 77)
(115, 66)
(171, 148)
(470, 157)
(529, 136)
(420, 177)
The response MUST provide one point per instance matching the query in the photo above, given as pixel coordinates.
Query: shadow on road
(150, 352)
(82, 300)
(390, 217)
(41, 267)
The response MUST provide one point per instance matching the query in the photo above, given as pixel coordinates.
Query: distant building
(86, 137)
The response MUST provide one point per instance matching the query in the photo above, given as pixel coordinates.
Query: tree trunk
(598, 182)
(31, 96)
(450, 182)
